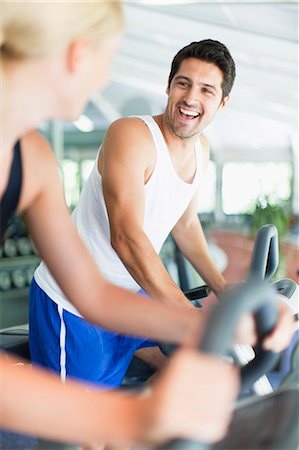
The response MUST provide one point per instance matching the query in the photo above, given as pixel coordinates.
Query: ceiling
(262, 115)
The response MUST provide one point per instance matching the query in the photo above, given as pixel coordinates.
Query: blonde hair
(32, 29)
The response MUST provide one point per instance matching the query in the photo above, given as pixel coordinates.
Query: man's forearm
(147, 269)
(207, 269)
(193, 245)
(211, 275)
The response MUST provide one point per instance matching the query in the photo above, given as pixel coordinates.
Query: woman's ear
(77, 53)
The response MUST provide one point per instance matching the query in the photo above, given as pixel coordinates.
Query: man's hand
(277, 340)
(281, 336)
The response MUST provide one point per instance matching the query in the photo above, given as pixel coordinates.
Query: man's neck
(175, 143)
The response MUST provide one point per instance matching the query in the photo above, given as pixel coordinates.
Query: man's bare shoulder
(128, 139)
(132, 129)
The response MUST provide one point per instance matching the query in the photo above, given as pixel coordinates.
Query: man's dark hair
(213, 52)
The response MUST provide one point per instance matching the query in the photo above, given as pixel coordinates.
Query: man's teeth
(187, 112)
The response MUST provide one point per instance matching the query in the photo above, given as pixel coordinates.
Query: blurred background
(252, 178)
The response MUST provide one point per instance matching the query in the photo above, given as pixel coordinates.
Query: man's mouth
(188, 114)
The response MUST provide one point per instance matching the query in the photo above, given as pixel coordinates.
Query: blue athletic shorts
(71, 346)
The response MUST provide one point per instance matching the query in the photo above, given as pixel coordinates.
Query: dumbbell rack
(16, 271)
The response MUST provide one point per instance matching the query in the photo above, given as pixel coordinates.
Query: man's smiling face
(194, 97)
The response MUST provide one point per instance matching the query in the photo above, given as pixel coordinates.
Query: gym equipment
(265, 255)
(264, 263)
(17, 266)
(24, 246)
(138, 371)
(268, 422)
(198, 293)
(288, 290)
(255, 297)
(29, 272)
(15, 340)
(5, 281)
(10, 248)
(18, 278)
(286, 373)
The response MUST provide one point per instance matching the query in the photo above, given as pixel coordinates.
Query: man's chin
(185, 134)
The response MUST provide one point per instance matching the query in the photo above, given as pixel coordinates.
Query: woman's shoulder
(35, 145)
(39, 167)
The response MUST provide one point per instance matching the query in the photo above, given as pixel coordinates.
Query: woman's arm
(59, 245)
(72, 266)
(187, 400)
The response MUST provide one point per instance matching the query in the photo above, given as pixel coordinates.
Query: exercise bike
(269, 422)
(264, 263)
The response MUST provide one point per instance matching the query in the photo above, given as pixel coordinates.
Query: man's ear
(76, 54)
(168, 87)
(224, 102)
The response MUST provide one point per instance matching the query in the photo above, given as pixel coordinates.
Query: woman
(54, 56)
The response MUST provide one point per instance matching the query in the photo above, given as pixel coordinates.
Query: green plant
(277, 214)
(267, 212)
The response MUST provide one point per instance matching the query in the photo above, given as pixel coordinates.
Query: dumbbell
(24, 246)
(9, 248)
(5, 280)
(18, 278)
(29, 272)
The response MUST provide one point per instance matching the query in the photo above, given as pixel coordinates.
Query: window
(243, 183)
(86, 168)
(70, 173)
(74, 174)
(207, 191)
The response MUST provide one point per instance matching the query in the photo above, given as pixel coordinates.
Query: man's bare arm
(191, 240)
(128, 157)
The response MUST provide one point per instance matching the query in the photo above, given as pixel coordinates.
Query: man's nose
(192, 97)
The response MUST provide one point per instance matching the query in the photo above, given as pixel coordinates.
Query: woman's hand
(192, 398)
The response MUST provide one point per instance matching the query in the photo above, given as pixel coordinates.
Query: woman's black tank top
(11, 196)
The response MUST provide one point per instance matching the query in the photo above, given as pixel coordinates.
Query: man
(143, 186)
(152, 168)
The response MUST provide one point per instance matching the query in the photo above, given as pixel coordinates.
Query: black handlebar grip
(265, 256)
(197, 293)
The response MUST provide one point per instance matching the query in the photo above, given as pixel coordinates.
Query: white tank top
(166, 198)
